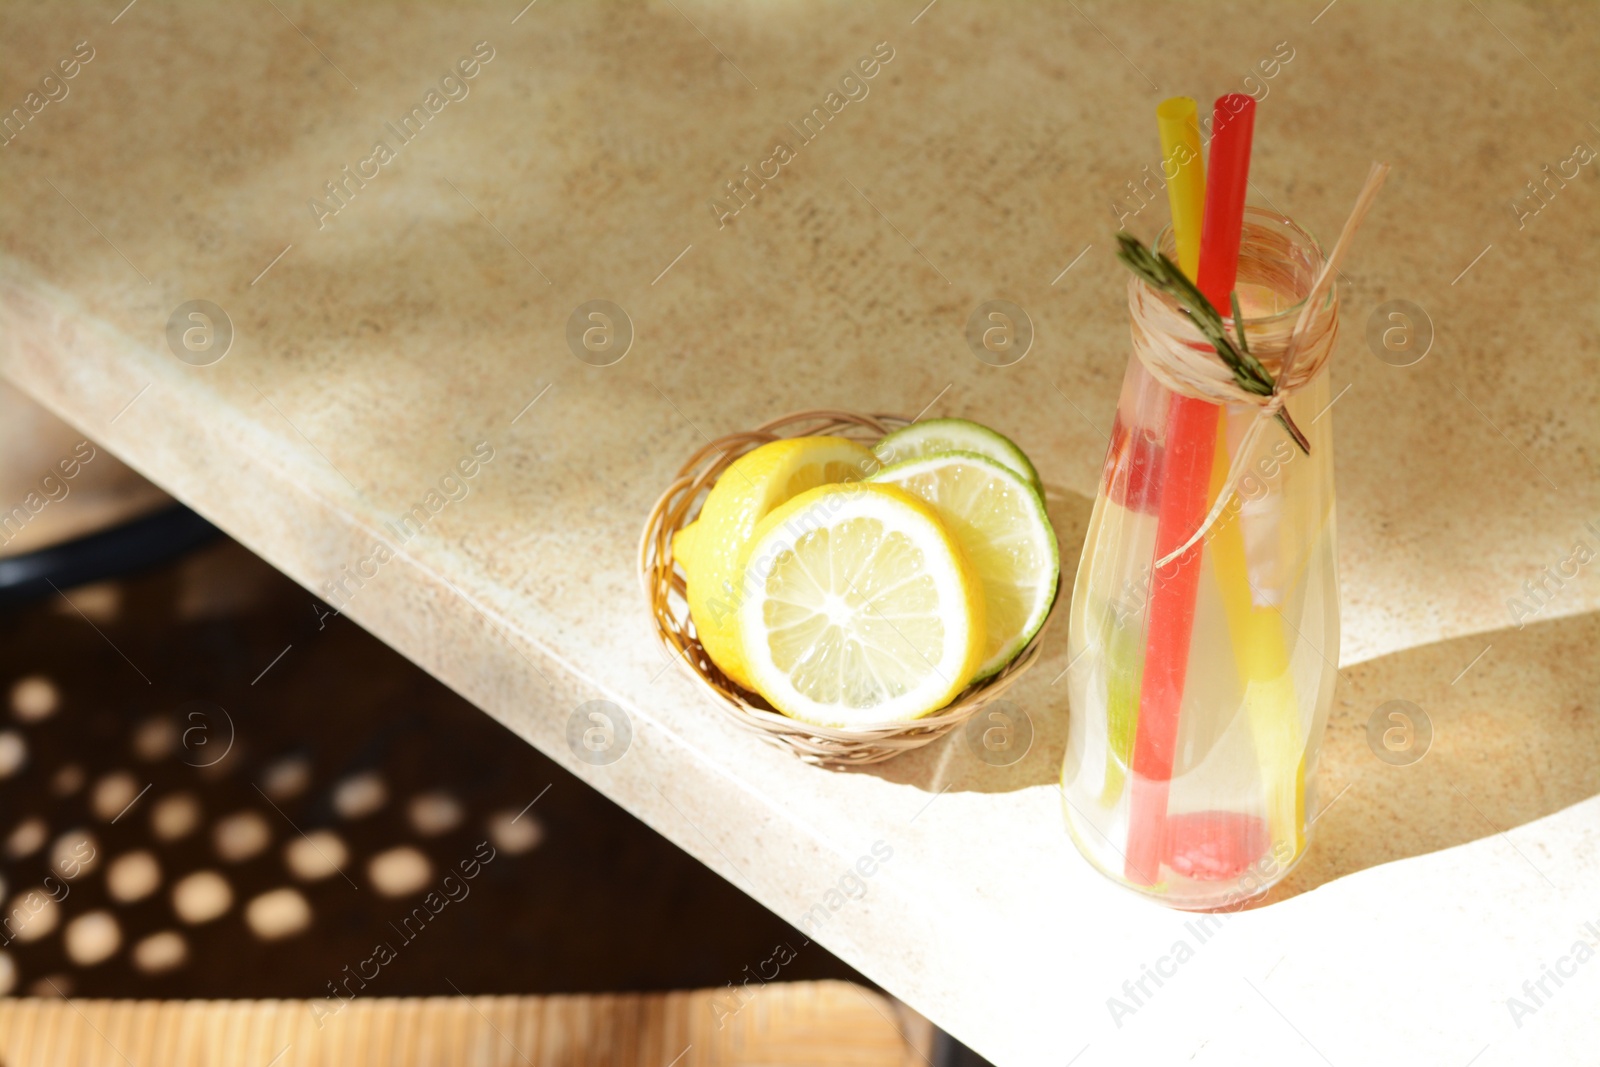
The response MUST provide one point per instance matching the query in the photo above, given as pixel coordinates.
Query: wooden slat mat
(800, 1024)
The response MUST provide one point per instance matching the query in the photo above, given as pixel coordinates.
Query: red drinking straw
(1185, 488)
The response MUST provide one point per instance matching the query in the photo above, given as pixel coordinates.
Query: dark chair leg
(133, 546)
(948, 1052)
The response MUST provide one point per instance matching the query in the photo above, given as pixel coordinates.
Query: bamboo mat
(781, 1024)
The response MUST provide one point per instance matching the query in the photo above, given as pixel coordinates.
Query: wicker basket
(663, 586)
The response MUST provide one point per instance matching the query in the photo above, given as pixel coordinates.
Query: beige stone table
(381, 335)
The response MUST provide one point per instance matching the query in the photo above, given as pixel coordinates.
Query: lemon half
(713, 548)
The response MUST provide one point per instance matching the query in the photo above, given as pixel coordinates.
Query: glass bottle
(1189, 762)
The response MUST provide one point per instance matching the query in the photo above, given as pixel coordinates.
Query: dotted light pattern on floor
(128, 810)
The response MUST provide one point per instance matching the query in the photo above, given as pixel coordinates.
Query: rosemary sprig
(1163, 275)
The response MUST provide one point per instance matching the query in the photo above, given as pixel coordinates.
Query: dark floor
(352, 784)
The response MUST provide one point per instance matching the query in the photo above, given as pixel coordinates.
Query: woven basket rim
(663, 585)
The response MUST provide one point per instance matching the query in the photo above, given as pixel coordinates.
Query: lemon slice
(1000, 523)
(862, 608)
(712, 549)
(955, 435)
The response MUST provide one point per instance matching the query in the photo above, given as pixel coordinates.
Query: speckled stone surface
(375, 346)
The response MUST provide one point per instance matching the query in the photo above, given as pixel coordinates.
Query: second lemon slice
(1000, 523)
(862, 608)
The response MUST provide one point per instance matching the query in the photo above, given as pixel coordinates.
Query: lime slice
(861, 608)
(1124, 667)
(1000, 523)
(955, 435)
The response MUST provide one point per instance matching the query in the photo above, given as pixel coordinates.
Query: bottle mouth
(1276, 254)
(1279, 264)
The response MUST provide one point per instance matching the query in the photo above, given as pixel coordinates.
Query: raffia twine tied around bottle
(1293, 350)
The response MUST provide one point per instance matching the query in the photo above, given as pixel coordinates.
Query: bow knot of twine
(1173, 350)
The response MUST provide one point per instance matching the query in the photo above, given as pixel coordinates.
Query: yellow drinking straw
(1184, 169)
(1259, 652)
(1263, 664)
